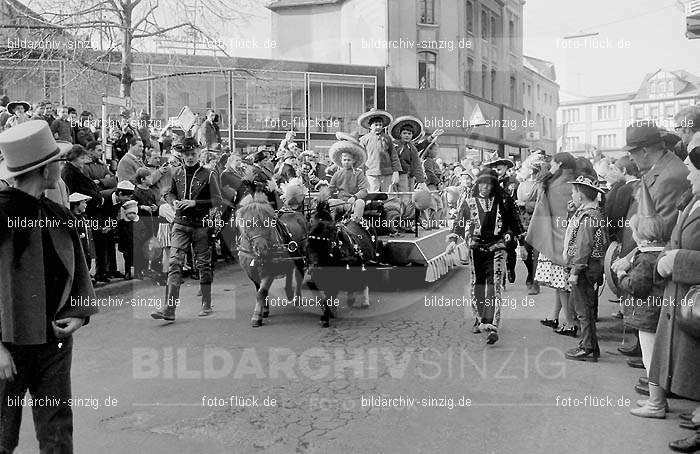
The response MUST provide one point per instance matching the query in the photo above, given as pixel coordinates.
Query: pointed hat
(646, 207)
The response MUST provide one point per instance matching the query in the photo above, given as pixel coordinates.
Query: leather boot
(655, 407)
(206, 300)
(172, 298)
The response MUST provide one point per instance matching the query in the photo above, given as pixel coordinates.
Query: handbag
(688, 315)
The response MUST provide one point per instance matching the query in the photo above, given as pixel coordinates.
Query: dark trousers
(103, 243)
(585, 301)
(511, 255)
(484, 284)
(44, 371)
(181, 238)
(531, 263)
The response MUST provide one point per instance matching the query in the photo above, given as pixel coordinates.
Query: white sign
(477, 118)
(532, 136)
(117, 101)
(186, 118)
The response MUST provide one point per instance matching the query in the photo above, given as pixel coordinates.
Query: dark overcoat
(675, 364)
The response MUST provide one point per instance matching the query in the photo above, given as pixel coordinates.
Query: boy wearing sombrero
(403, 130)
(585, 244)
(348, 185)
(19, 110)
(383, 165)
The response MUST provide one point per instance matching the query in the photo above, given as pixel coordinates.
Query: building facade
(443, 59)
(540, 103)
(599, 123)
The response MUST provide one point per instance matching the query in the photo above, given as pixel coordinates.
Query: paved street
(304, 389)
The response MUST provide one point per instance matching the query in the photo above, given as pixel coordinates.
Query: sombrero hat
(364, 119)
(407, 120)
(347, 143)
(27, 147)
(585, 181)
(495, 160)
(11, 106)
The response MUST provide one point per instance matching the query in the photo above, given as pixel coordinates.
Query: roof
(279, 4)
(600, 99)
(542, 67)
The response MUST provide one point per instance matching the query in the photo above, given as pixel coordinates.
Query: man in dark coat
(46, 294)
(76, 181)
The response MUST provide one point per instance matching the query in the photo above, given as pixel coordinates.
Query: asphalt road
(400, 377)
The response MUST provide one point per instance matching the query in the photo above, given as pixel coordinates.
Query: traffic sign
(477, 118)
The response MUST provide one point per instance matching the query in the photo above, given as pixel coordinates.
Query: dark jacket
(26, 284)
(77, 181)
(643, 294)
(204, 190)
(97, 170)
(410, 161)
(232, 190)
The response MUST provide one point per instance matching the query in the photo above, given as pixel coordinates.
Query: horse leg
(289, 285)
(260, 301)
(327, 315)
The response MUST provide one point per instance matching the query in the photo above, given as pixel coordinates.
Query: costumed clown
(383, 164)
(487, 222)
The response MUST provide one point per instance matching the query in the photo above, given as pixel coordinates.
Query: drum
(611, 255)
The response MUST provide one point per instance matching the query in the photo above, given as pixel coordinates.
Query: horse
(269, 246)
(338, 256)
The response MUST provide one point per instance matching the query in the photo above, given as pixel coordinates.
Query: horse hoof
(257, 323)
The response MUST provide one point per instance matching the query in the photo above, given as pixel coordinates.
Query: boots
(172, 298)
(206, 300)
(655, 407)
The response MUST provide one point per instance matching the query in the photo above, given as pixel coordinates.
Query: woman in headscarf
(546, 234)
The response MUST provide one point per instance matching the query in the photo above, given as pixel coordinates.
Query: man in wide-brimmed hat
(383, 165)
(46, 294)
(662, 171)
(195, 191)
(348, 186)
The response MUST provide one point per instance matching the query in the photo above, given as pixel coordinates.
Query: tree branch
(161, 31)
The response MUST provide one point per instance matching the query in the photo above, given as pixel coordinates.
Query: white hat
(126, 185)
(27, 147)
(78, 197)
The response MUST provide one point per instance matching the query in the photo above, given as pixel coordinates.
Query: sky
(643, 35)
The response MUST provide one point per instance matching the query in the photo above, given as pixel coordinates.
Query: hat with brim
(487, 176)
(406, 121)
(497, 161)
(585, 181)
(27, 147)
(364, 119)
(78, 197)
(352, 147)
(125, 185)
(11, 106)
(308, 154)
(643, 134)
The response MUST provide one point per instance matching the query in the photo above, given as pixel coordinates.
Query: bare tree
(105, 35)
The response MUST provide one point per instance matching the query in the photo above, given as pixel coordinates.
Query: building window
(669, 110)
(484, 25)
(513, 91)
(469, 75)
(493, 85)
(494, 29)
(484, 80)
(426, 70)
(654, 112)
(652, 87)
(529, 91)
(539, 92)
(470, 17)
(571, 143)
(607, 141)
(571, 115)
(662, 87)
(528, 117)
(426, 11)
(608, 112)
(511, 35)
(551, 128)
